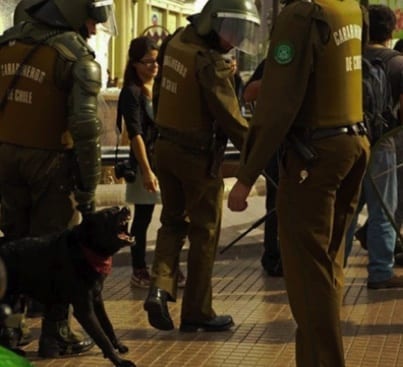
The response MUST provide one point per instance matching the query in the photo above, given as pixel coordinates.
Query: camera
(124, 169)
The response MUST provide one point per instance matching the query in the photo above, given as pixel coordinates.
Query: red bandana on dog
(102, 265)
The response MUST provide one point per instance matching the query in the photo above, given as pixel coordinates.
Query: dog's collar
(101, 264)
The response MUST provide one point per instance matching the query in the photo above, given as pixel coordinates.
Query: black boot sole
(190, 328)
(58, 350)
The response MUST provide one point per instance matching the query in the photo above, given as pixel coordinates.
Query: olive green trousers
(36, 191)
(191, 208)
(313, 216)
(36, 197)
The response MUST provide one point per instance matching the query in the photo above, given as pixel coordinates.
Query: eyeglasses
(150, 62)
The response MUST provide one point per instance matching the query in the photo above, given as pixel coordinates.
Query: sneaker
(140, 278)
(394, 282)
(181, 279)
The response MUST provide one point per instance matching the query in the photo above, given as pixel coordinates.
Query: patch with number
(284, 53)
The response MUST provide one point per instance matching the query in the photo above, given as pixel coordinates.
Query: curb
(114, 193)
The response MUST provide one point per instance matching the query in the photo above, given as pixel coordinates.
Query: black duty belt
(322, 133)
(197, 142)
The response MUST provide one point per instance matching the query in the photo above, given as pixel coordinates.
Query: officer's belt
(198, 142)
(322, 133)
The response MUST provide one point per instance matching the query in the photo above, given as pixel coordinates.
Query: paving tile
(372, 321)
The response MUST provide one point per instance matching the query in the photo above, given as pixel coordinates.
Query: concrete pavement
(372, 321)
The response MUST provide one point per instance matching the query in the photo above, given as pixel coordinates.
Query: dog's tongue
(102, 265)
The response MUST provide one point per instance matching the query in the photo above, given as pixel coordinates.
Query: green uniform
(311, 87)
(49, 130)
(196, 91)
(49, 136)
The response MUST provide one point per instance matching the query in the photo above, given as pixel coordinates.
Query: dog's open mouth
(123, 227)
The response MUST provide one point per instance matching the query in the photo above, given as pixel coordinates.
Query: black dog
(70, 267)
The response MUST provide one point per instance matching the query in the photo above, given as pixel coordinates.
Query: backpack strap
(390, 56)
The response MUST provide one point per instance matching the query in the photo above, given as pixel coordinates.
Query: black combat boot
(157, 309)
(10, 330)
(58, 339)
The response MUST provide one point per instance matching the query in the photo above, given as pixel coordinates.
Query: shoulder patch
(284, 53)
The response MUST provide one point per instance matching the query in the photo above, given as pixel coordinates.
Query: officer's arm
(215, 78)
(288, 67)
(85, 129)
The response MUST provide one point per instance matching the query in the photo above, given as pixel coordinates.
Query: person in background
(322, 165)
(270, 260)
(378, 235)
(399, 156)
(135, 105)
(238, 82)
(197, 109)
(49, 132)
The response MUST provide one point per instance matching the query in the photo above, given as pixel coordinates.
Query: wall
(6, 13)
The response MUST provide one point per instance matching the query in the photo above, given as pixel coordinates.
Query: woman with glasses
(135, 105)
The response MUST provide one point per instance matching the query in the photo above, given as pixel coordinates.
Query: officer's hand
(237, 197)
(85, 200)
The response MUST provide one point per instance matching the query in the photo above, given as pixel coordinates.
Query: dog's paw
(121, 348)
(125, 363)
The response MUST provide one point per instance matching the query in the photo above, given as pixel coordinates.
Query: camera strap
(118, 132)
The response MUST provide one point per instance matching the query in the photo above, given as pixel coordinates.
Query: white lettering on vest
(175, 65)
(20, 96)
(353, 63)
(169, 85)
(27, 71)
(347, 33)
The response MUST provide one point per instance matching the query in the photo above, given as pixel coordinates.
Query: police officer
(49, 134)
(197, 105)
(311, 99)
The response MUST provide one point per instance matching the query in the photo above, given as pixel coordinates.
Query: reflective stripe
(248, 17)
(98, 4)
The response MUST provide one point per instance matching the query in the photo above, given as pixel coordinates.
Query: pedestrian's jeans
(381, 236)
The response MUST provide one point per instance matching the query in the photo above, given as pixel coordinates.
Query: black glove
(86, 209)
(86, 203)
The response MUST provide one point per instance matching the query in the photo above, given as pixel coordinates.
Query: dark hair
(399, 45)
(382, 22)
(138, 48)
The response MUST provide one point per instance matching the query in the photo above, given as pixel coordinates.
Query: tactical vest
(35, 104)
(180, 104)
(334, 95)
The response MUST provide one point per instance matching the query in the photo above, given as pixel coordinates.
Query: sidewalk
(263, 336)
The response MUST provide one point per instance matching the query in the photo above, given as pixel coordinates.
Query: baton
(254, 225)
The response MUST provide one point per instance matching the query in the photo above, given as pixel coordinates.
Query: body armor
(180, 103)
(53, 104)
(327, 104)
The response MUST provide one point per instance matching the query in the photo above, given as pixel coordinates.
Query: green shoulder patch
(284, 53)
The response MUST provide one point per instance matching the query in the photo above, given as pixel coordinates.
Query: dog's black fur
(57, 269)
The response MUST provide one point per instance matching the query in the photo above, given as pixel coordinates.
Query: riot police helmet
(20, 13)
(73, 14)
(235, 21)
